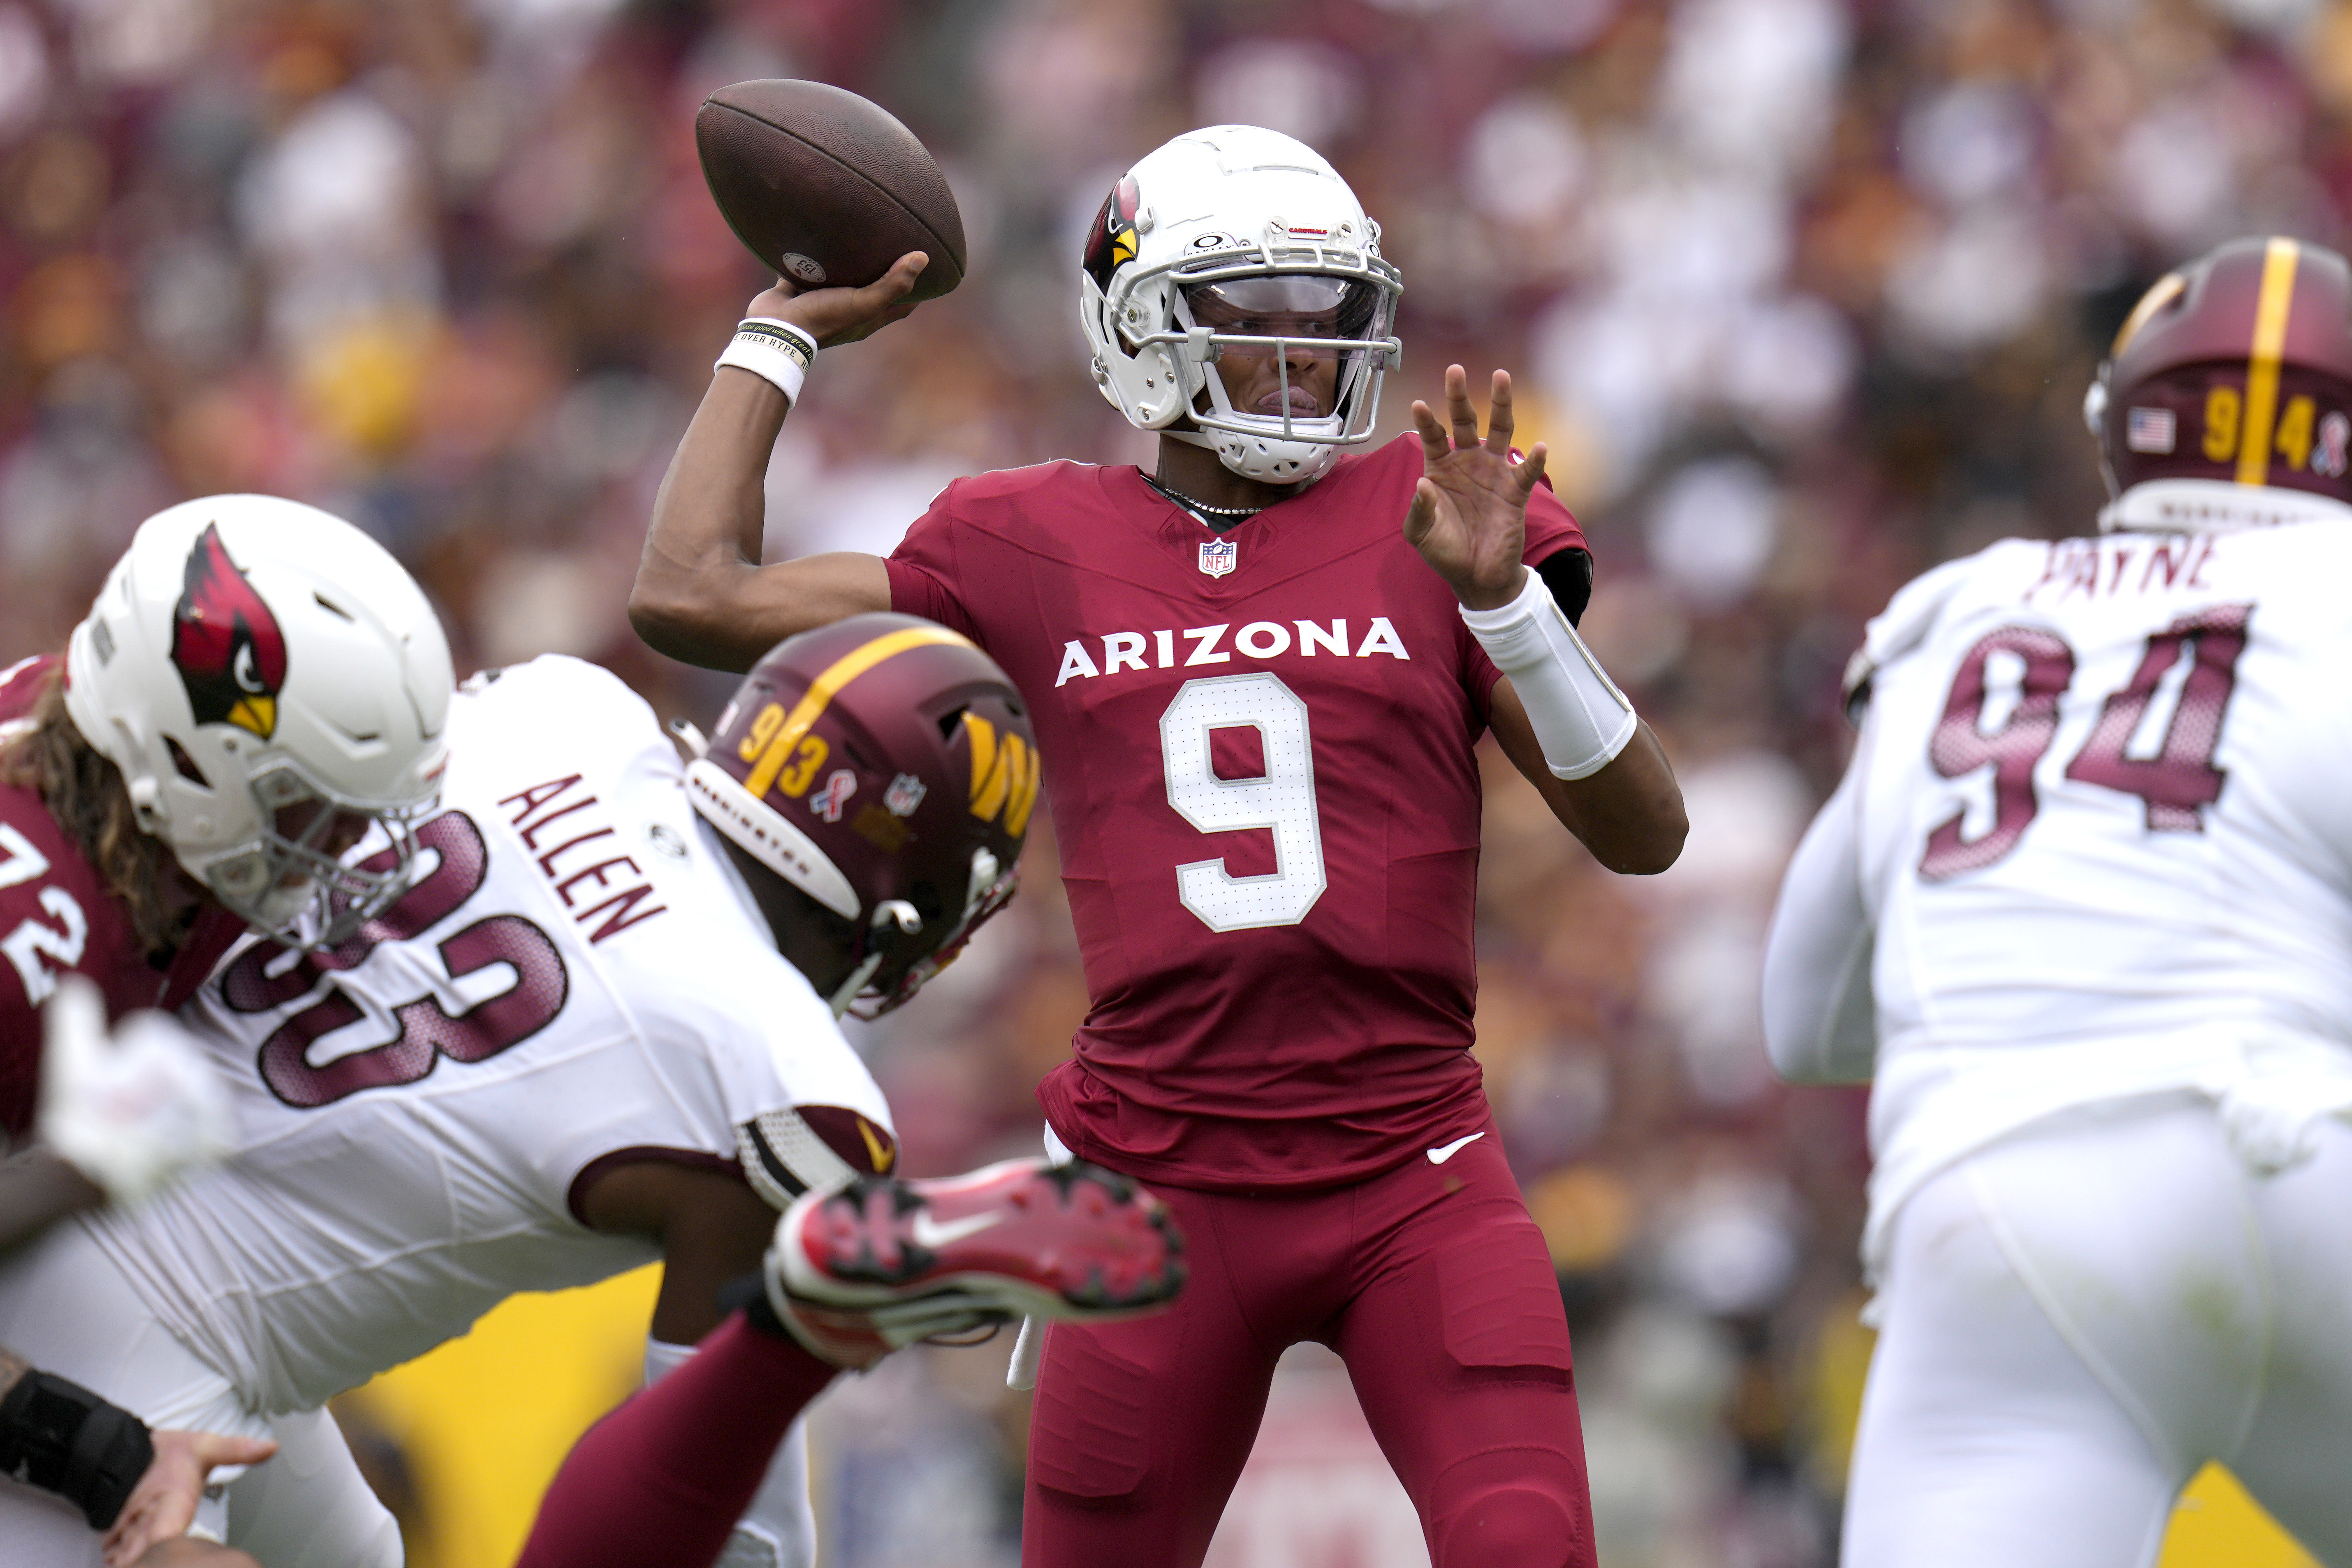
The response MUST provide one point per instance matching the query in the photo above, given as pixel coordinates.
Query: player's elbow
(1648, 844)
(687, 617)
(662, 614)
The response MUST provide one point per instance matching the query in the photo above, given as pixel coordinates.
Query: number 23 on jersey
(2194, 659)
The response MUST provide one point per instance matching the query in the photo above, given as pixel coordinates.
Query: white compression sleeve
(1580, 717)
(779, 1531)
(1820, 1023)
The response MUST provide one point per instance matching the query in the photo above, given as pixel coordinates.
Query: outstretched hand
(1469, 512)
(835, 316)
(163, 1504)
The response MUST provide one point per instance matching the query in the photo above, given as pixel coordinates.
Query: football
(825, 188)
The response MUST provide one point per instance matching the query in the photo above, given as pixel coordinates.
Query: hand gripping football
(826, 188)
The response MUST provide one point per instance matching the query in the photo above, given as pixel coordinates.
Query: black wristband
(59, 1436)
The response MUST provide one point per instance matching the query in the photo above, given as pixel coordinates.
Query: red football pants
(1432, 1284)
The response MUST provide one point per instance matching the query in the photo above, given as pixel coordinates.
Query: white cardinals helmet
(268, 679)
(1224, 228)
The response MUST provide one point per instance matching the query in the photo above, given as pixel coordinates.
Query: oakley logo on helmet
(1003, 776)
(226, 644)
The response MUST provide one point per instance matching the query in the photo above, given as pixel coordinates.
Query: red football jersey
(56, 916)
(1258, 751)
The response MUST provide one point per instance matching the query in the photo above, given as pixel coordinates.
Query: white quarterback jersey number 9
(1282, 800)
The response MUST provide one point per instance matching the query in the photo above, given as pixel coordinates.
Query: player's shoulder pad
(1911, 615)
(555, 686)
(30, 836)
(21, 681)
(1400, 457)
(1001, 488)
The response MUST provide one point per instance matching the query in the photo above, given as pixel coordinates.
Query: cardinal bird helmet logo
(226, 644)
(1111, 243)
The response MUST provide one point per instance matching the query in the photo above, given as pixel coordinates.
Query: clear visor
(293, 884)
(1288, 305)
(1291, 352)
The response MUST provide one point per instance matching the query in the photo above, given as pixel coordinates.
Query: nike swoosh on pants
(1445, 1152)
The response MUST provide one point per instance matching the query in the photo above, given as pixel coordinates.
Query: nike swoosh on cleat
(1445, 1152)
(935, 1234)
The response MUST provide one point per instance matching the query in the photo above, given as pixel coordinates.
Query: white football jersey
(2103, 802)
(580, 974)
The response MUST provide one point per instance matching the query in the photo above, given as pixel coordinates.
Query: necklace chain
(1180, 499)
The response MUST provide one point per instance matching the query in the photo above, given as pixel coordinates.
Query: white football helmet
(249, 657)
(1259, 222)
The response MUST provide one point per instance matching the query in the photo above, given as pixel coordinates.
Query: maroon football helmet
(2227, 399)
(885, 767)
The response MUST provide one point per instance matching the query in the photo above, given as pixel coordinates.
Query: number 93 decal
(427, 1031)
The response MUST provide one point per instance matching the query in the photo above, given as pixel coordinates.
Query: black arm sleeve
(1568, 574)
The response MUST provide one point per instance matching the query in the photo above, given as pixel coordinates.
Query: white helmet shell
(250, 654)
(1232, 202)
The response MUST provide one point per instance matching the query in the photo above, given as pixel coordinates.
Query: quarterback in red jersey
(1260, 697)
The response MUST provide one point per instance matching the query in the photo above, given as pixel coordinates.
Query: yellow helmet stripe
(2166, 289)
(2262, 361)
(829, 685)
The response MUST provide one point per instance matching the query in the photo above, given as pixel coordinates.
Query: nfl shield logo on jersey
(1219, 556)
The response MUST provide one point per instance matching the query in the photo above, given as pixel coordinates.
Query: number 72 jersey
(2105, 794)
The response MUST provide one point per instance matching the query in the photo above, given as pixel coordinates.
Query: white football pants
(67, 1310)
(2076, 1319)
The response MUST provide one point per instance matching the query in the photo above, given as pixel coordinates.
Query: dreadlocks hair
(85, 795)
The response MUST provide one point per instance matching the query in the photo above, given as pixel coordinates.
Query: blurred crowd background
(1802, 294)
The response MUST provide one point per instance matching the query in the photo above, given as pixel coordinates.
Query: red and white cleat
(860, 1271)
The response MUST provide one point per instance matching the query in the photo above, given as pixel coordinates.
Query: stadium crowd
(1803, 295)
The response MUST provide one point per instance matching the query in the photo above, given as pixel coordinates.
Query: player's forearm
(183, 1553)
(702, 594)
(36, 1190)
(1630, 814)
(1820, 1023)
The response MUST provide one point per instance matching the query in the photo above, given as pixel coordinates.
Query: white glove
(132, 1111)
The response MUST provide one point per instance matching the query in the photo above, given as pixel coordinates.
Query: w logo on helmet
(1003, 776)
(226, 644)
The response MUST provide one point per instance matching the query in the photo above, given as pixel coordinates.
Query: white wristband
(776, 352)
(1581, 717)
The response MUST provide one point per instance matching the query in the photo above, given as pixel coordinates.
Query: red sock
(660, 1481)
